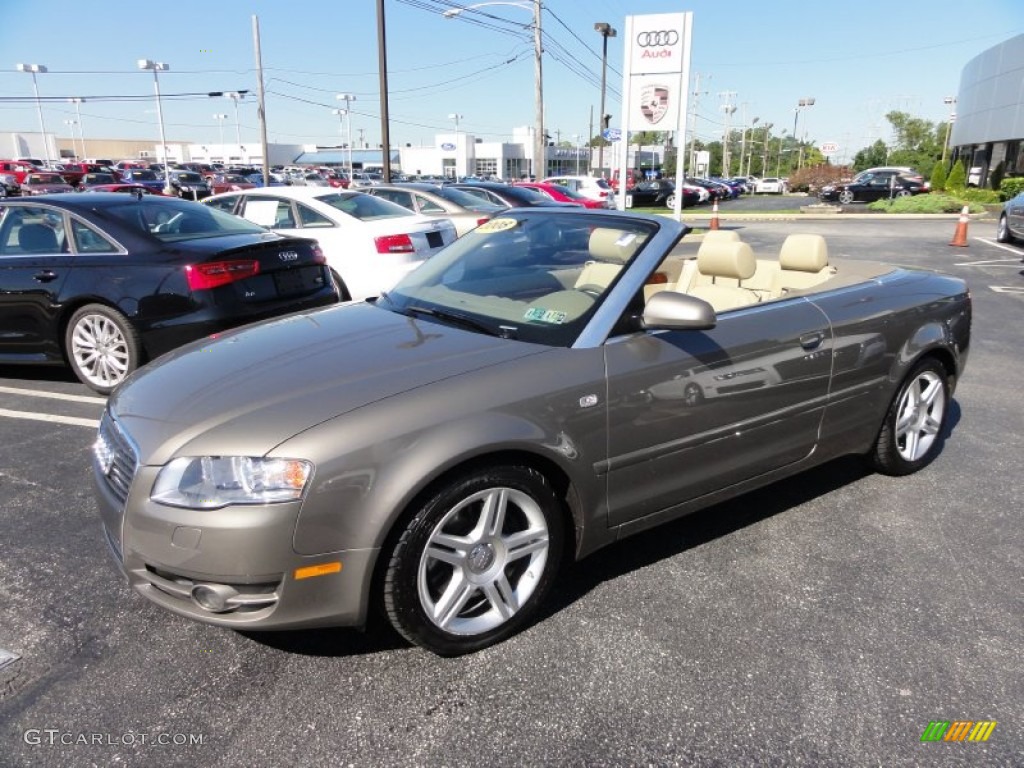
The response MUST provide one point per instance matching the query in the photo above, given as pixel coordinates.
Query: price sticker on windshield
(496, 225)
(545, 315)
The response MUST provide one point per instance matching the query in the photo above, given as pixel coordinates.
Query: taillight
(318, 254)
(203, 277)
(484, 220)
(394, 244)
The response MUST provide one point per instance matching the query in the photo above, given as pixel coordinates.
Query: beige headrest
(804, 253)
(721, 236)
(616, 245)
(726, 259)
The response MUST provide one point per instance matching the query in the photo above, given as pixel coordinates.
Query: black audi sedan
(872, 185)
(107, 281)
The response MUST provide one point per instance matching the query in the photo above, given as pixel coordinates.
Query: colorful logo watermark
(958, 730)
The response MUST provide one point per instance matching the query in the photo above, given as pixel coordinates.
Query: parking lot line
(52, 395)
(73, 420)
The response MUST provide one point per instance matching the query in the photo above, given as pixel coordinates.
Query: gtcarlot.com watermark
(54, 737)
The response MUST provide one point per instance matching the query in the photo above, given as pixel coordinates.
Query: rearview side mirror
(668, 310)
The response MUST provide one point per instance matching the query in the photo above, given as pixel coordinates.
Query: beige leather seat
(609, 250)
(803, 263)
(711, 241)
(730, 262)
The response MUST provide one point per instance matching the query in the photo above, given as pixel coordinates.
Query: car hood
(246, 391)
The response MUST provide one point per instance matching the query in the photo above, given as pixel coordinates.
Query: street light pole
(77, 101)
(605, 30)
(71, 129)
(348, 98)
(159, 66)
(539, 137)
(236, 96)
(32, 69)
(950, 101)
(456, 117)
(220, 118)
(801, 104)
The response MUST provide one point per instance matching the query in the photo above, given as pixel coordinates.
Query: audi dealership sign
(655, 78)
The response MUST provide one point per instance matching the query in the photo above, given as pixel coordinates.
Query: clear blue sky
(859, 60)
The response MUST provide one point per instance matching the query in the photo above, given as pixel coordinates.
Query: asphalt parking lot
(823, 621)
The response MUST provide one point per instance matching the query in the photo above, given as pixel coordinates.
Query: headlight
(211, 482)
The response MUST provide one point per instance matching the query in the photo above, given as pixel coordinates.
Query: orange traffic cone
(714, 214)
(960, 236)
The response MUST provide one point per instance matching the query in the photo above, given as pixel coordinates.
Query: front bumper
(242, 557)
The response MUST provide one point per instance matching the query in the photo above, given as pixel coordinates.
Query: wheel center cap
(481, 557)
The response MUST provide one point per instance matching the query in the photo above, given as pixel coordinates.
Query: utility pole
(697, 93)
(382, 65)
(728, 108)
(261, 107)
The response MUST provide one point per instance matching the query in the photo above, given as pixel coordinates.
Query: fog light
(213, 597)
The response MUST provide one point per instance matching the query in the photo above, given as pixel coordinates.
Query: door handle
(45, 276)
(812, 340)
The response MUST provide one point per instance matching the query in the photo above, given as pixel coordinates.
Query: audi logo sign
(657, 39)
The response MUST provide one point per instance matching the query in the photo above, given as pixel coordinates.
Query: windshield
(364, 207)
(171, 219)
(467, 200)
(189, 177)
(45, 178)
(536, 278)
(144, 175)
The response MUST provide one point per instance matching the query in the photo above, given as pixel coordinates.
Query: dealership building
(989, 125)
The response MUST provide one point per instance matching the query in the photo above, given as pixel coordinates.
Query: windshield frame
(525, 288)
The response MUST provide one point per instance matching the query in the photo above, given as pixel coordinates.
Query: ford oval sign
(448, 146)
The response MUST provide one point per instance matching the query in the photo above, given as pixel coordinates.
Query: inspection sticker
(496, 225)
(545, 315)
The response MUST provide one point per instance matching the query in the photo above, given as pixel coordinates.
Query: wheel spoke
(930, 425)
(932, 390)
(525, 543)
(492, 515)
(501, 595)
(910, 445)
(455, 596)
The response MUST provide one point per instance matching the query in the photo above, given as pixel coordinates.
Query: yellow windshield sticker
(496, 225)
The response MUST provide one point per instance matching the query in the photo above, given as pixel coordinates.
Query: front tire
(846, 197)
(102, 347)
(1003, 231)
(475, 560)
(911, 435)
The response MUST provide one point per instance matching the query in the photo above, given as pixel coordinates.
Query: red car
(228, 182)
(19, 169)
(562, 194)
(46, 183)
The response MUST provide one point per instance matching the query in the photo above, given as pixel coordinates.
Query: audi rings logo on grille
(657, 39)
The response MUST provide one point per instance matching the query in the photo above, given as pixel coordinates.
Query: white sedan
(369, 243)
(770, 186)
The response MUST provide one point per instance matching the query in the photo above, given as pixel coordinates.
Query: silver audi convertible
(548, 384)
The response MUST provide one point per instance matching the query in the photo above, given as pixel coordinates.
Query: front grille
(115, 457)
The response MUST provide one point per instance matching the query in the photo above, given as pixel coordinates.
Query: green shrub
(957, 178)
(1011, 187)
(930, 203)
(938, 180)
(980, 196)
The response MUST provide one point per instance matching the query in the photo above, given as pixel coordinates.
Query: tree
(870, 157)
(957, 179)
(938, 179)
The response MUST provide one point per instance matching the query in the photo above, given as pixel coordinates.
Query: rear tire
(475, 560)
(102, 347)
(342, 289)
(911, 435)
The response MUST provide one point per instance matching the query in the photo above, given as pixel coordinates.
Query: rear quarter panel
(881, 329)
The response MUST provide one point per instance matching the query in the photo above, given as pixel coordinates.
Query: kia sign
(448, 147)
(829, 148)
